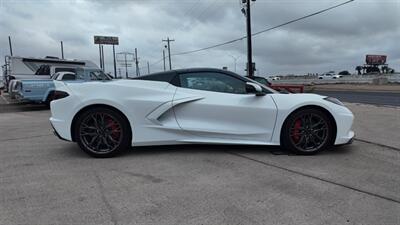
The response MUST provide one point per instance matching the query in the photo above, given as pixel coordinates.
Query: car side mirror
(253, 88)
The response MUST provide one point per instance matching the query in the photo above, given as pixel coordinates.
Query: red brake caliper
(296, 130)
(113, 126)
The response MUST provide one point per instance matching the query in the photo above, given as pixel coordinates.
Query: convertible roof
(167, 76)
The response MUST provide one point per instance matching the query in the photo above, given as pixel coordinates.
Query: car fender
(288, 103)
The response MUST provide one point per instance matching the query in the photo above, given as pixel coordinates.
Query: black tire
(104, 137)
(307, 132)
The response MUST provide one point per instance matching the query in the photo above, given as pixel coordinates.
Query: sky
(335, 40)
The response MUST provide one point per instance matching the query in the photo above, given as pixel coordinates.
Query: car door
(216, 105)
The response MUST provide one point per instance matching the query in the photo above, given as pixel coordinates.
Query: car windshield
(261, 80)
(92, 74)
(98, 75)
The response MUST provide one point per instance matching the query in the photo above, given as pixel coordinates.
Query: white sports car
(194, 106)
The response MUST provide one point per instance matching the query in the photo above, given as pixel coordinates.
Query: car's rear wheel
(102, 132)
(307, 132)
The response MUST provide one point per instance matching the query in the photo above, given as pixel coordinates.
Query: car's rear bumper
(57, 134)
(61, 130)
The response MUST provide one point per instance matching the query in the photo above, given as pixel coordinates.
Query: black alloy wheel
(307, 132)
(102, 132)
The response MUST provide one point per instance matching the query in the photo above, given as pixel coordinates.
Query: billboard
(375, 59)
(105, 40)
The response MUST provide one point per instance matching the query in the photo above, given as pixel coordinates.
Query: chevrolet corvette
(194, 106)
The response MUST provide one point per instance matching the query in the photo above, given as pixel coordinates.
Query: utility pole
(169, 51)
(137, 63)
(126, 67)
(250, 69)
(62, 50)
(163, 54)
(9, 42)
(148, 67)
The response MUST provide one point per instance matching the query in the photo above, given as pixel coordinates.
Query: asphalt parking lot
(48, 181)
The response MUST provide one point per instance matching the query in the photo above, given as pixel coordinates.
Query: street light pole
(101, 61)
(115, 63)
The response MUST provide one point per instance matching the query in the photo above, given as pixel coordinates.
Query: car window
(213, 81)
(54, 76)
(68, 76)
(64, 69)
(98, 75)
(43, 70)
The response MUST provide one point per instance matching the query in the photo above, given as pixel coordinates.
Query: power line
(257, 33)
(265, 30)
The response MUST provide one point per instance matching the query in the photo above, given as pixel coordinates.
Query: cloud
(336, 40)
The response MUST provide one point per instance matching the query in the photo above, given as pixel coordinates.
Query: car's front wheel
(102, 132)
(307, 132)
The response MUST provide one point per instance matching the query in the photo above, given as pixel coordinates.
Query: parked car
(192, 106)
(329, 75)
(344, 72)
(275, 78)
(19, 68)
(41, 91)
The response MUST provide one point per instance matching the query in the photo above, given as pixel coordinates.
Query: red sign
(375, 59)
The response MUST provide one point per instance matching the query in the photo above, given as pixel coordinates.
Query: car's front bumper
(345, 140)
(344, 122)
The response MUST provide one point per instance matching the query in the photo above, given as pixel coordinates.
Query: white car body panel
(160, 113)
(219, 115)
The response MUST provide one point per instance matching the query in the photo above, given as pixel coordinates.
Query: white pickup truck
(22, 68)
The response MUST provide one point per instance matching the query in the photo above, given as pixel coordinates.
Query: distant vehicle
(275, 78)
(41, 91)
(344, 72)
(195, 106)
(18, 68)
(329, 75)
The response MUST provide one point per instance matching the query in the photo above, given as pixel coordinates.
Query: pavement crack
(317, 178)
(109, 207)
(377, 144)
